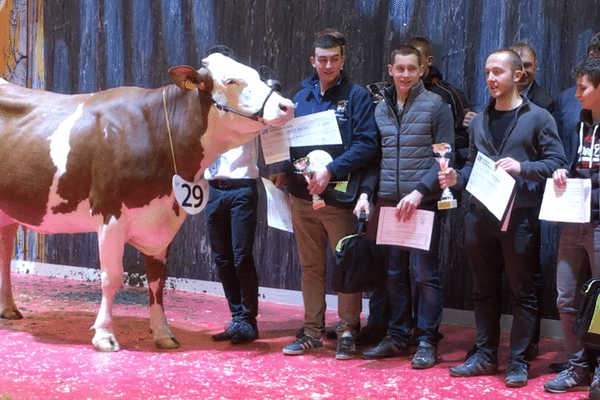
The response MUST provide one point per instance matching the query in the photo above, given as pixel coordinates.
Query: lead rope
(169, 130)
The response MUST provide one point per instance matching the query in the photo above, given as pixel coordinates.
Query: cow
(105, 162)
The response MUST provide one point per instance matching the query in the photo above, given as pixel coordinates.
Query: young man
(521, 137)
(410, 120)
(578, 242)
(328, 89)
(231, 216)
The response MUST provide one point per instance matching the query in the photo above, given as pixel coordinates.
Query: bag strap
(361, 224)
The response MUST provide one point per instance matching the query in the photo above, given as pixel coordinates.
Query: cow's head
(238, 93)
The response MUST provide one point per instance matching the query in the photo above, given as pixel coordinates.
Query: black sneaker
(246, 333)
(228, 333)
(478, 364)
(516, 374)
(568, 380)
(387, 348)
(370, 335)
(302, 345)
(595, 386)
(346, 349)
(425, 356)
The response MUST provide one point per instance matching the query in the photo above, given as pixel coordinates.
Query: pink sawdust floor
(48, 355)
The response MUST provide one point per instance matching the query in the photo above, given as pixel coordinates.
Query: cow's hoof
(168, 343)
(106, 344)
(11, 313)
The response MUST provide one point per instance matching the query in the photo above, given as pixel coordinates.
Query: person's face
(587, 94)
(500, 79)
(405, 72)
(328, 63)
(529, 68)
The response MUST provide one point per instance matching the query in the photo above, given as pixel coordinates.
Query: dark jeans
(514, 252)
(231, 216)
(428, 292)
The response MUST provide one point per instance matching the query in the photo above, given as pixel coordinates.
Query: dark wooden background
(92, 45)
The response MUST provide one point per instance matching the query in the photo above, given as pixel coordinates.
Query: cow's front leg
(156, 270)
(8, 308)
(111, 242)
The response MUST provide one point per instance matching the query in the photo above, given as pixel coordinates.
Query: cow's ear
(187, 78)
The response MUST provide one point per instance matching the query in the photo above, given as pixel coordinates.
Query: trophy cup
(447, 201)
(314, 160)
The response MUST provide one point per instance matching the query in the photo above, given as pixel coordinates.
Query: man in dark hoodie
(521, 139)
(578, 245)
(316, 223)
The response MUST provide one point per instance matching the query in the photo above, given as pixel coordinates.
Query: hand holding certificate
(413, 233)
(569, 204)
(492, 186)
(314, 129)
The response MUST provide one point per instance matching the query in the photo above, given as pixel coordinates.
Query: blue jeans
(578, 260)
(231, 216)
(428, 292)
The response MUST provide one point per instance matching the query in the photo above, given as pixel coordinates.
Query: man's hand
(362, 206)
(560, 178)
(468, 117)
(407, 206)
(510, 165)
(447, 178)
(278, 179)
(318, 181)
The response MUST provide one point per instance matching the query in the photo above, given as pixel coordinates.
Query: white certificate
(310, 130)
(569, 204)
(414, 233)
(493, 187)
(279, 208)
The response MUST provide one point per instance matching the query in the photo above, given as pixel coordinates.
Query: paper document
(309, 130)
(414, 233)
(279, 208)
(492, 187)
(569, 204)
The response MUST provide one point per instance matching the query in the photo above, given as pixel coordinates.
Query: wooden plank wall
(95, 44)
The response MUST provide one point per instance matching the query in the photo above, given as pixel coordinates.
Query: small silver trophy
(316, 159)
(441, 150)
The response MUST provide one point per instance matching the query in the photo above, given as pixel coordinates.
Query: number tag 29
(192, 197)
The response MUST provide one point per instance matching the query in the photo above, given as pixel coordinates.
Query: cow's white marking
(3, 81)
(59, 140)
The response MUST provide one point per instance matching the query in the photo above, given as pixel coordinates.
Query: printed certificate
(414, 233)
(279, 208)
(311, 130)
(569, 204)
(493, 187)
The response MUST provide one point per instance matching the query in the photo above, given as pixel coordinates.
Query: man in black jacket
(522, 140)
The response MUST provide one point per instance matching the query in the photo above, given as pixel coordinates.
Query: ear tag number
(192, 197)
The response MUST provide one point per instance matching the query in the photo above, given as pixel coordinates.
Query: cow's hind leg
(156, 270)
(8, 308)
(111, 247)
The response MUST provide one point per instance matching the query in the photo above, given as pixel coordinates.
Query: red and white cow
(104, 162)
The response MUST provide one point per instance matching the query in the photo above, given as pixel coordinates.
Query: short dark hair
(594, 44)
(589, 67)
(329, 38)
(520, 46)
(221, 49)
(405, 50)
(420, 41)
(514, 58)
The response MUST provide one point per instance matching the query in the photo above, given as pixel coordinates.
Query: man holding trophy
(411, 121)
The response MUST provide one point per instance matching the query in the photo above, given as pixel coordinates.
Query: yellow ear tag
(189, 85)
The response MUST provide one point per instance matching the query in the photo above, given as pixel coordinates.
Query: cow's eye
(231, 82)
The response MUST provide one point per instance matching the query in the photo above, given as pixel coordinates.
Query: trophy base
(447, 204)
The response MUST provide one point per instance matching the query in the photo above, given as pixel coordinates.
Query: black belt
(232, 183)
